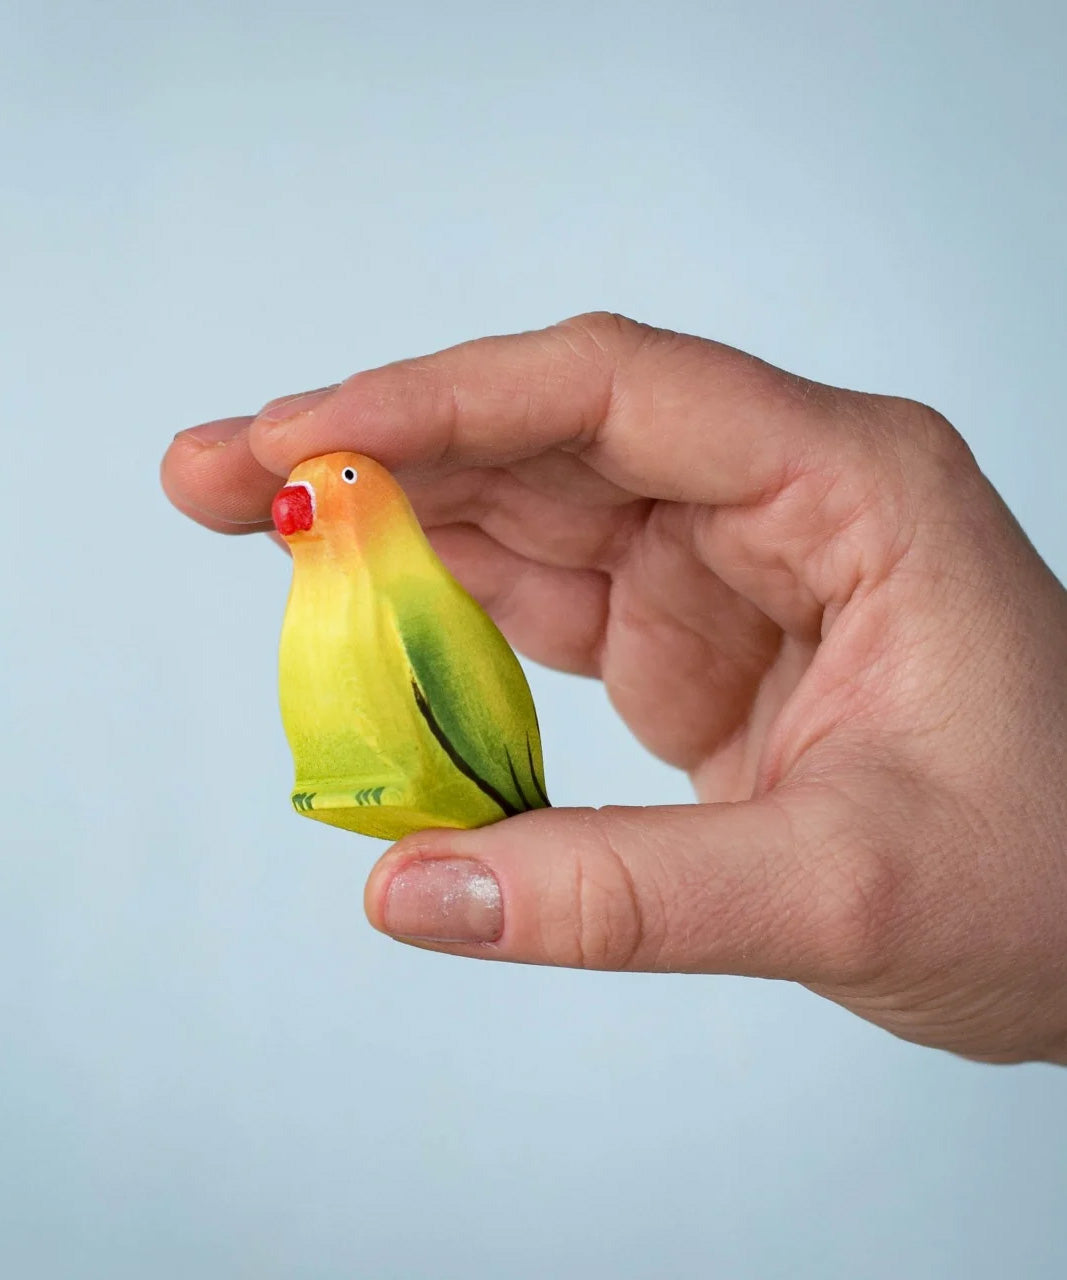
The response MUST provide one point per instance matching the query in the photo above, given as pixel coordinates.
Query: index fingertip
(371, 412)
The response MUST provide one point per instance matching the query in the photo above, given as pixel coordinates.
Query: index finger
(663, 414)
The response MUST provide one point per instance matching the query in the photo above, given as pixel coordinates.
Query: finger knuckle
(857, 916)
(609, 925)
(920, 438)
(600, 332)
(932, 430)
(602, 321)
(886, 484)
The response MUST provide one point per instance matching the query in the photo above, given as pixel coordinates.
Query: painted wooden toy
(404, 706)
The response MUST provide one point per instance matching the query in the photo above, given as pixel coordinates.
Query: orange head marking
(336, 498)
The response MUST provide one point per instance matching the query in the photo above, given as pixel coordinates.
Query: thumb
(713, 888)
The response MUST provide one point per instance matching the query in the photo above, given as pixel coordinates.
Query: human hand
(808, 598)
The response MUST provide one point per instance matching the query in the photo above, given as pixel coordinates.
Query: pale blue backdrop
(210, 1065)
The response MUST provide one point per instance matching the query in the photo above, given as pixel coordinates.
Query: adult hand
(808, 598)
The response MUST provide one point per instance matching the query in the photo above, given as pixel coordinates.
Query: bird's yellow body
(404, 706)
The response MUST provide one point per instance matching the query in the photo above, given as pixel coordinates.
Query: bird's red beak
(293, 509)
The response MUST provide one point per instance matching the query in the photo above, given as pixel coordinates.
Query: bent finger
(665, 415)
(210, 474)
(724, 888)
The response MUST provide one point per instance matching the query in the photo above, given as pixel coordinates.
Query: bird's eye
(349, 476)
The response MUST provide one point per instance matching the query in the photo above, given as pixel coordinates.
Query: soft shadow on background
(210, 1065)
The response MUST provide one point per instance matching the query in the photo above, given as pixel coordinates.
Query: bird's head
(338, 497)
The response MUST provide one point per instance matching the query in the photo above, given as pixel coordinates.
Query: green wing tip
(537, 779)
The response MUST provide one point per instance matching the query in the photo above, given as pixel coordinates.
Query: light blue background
(211, 1066)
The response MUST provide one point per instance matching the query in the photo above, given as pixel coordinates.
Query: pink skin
(808, 598)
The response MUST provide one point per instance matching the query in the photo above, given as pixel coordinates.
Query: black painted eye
(349, 476)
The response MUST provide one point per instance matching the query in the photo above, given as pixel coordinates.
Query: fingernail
(286, 407)
(445, 900)
(214, 433)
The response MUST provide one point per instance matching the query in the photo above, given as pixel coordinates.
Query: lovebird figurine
(404, 706)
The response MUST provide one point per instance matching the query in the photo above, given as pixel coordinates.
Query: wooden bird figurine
(404, 706)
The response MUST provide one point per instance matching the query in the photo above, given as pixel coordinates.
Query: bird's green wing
(472, 693)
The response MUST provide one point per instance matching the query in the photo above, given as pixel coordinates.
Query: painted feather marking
(481, 708)
(468, 771)
(537, 781)
(515, 778)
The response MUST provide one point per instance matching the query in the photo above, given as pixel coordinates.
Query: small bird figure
(404, 706)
